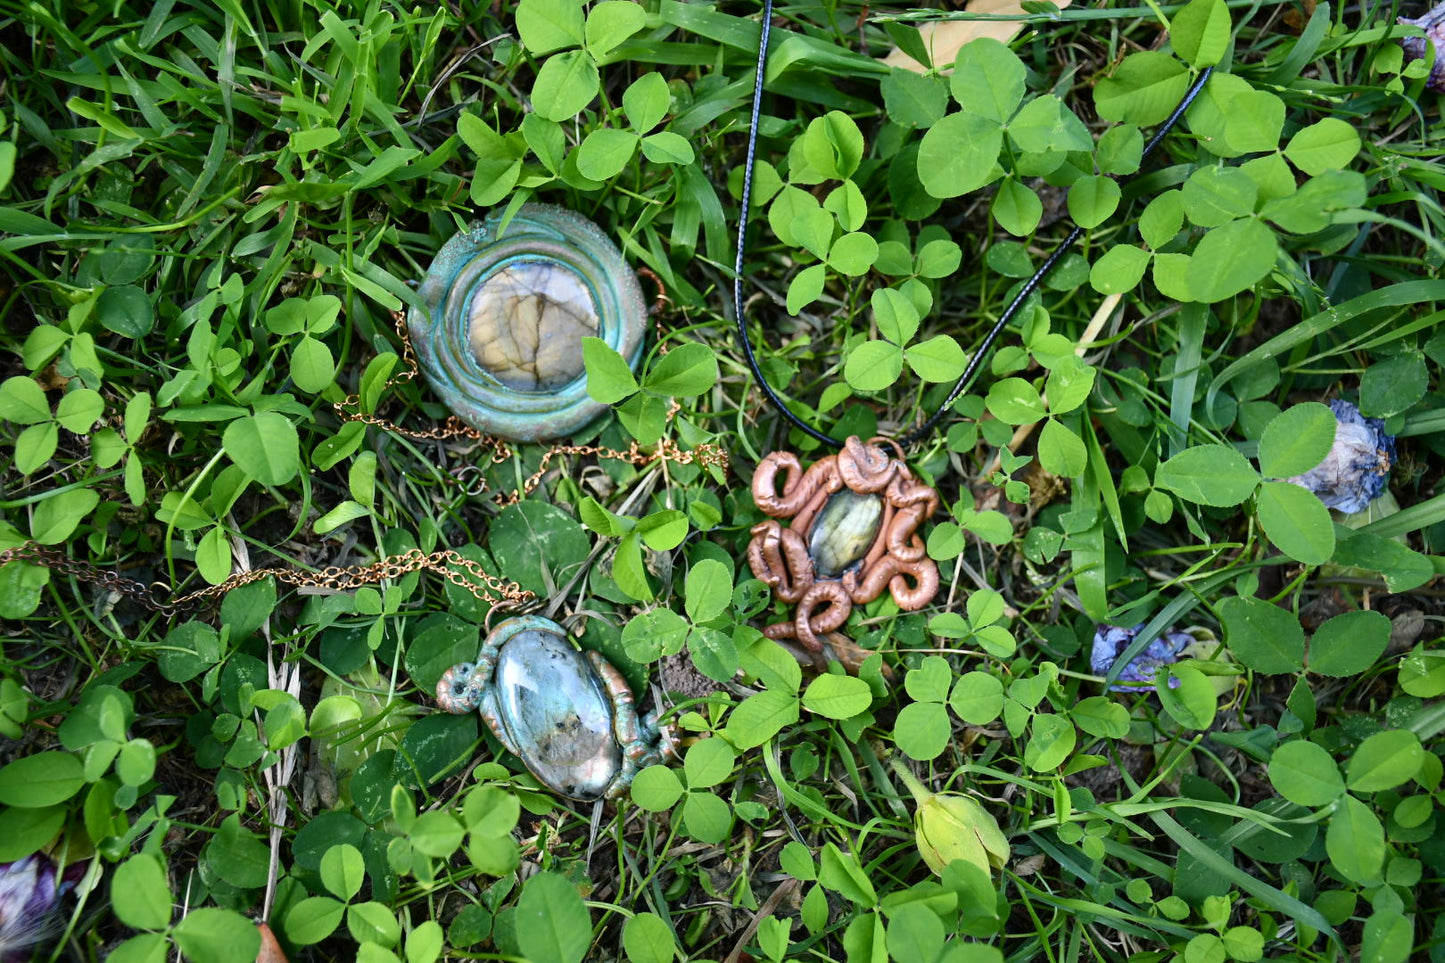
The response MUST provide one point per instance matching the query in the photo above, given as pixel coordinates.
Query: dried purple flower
(1357, 468)
(1418, 48)
(1110, 640)
(30, 892)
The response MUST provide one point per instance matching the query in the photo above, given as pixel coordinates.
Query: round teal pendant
(507, 309)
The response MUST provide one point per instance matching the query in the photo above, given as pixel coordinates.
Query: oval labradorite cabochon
(843, 532)
(557, 714)
(507, 307)
(526, 324)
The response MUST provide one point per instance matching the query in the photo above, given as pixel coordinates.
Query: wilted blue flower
(1110, 640)
(1418, 48)
(1357, 468)
(30, 892)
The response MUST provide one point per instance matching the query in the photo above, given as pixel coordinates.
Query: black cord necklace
(920, 431)
(853, 517)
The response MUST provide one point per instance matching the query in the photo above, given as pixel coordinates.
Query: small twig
(277, 776)
(783, 890)
(1096, 324)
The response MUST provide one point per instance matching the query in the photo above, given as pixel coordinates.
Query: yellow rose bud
(950, 825)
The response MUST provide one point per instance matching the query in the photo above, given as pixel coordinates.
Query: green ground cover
(210, 213)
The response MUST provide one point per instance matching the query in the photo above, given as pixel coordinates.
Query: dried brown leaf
(945, 38)
(270, 949)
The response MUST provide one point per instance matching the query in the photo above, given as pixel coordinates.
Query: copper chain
(477, 580)
(484, 585)
(705, 455)
(349, 408)
(342, 578)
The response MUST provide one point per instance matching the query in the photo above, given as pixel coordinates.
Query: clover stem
(921, 794)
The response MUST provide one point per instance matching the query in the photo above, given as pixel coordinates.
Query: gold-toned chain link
(449, 564)
(705, 455)
(342, 578)
(349, 408)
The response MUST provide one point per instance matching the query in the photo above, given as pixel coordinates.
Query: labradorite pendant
(852, 533)
(569, 716)
(507, 307)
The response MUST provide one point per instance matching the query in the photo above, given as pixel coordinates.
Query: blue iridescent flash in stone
(556, 713)
(507, 309)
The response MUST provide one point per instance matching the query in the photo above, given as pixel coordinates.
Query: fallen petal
(1357, 468)
(1110, 640)
(1418, 48)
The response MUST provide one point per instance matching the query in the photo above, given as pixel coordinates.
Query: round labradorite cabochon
(507, 309)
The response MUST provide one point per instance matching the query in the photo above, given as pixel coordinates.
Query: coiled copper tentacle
(906, 490)
(892, 573)
(823, 609)
(643, 741)
(865, 585)
(916, 502)
(799, 487)
(896, 562)
(803, 521)
(865, 468)
(779, 557)
(925, 576)
(835, 605)
(903, 539)
(765, 482)
(626, 726)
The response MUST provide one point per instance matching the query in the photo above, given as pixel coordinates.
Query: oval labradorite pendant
(507, 309)
(556, 713)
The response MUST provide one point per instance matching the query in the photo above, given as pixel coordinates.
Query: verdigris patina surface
(569, 716)
(507, 307)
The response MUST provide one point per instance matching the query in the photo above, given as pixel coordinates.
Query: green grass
(209, 214)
